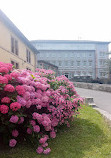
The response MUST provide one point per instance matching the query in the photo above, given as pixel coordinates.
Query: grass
(88, 137)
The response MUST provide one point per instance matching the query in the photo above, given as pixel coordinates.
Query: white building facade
(75, 58)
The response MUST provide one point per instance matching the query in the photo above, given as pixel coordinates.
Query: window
(60, 63)
(16, 65)
(78, 54)
(66, 63)
(28, 68)
(84, 63)
(66, 55)
(54, 62)
(78, 73)
(84, 73)
(90, 63)
(102, 62)
(84, 55)
(102, 53)
(14, 46)
(90, 73)
(78, 63)
(53, 55)
(28, 56)
(90, 54)
(102, 74)
(47, 55)
(72, 63)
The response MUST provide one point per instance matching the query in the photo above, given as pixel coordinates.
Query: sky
(61, 19)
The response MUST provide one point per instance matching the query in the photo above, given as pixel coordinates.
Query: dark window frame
(28, 56)
(16, 64)
(14, 46)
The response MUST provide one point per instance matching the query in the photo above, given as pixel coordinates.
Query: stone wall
(94, 86)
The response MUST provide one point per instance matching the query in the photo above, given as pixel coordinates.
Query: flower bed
(34, 105)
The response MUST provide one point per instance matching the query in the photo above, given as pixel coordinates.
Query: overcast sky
(61, 19)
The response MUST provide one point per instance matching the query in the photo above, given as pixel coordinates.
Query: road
(101, 99)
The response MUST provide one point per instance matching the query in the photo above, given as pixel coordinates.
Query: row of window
(102, 62)
(65, 55)
(102, 74)
(15, 49)
(80, 73)
(16, 65)
(71, 63)
(102, 53)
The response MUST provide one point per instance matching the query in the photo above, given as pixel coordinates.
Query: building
(45, 65)
(15, 48)
(75, 58)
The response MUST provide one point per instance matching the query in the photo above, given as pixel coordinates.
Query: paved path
(101, 99)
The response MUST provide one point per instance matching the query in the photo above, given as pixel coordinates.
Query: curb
(89, 101)
(105, 114)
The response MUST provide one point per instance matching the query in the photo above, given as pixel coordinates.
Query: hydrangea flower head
(5, 100)
(3, 80)
(15, 106)
(4, 109)
(9, 88)
(20, 89)
(15, 133)
(14, 119)
(39, 150)
(12, 142)
(47, 151)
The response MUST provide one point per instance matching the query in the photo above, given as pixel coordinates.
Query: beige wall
(5, 49)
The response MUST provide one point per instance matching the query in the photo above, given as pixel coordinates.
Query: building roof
(77, 45)
(45, 62)
(71, 41)
(16, 31)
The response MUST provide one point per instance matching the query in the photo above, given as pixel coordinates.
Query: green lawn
(88, 137)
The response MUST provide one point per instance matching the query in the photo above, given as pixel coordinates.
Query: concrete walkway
(101, 99)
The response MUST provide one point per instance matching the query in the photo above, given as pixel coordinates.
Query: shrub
(33, 105)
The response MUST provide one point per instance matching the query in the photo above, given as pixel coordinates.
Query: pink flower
(15, 133)
(45, 145)
(39, 150)
(20, 90)
(32, 122)
(45, 123)
(29, 131)
(26, 95)
(45, 99)
(14, 74)
(54, 122)
(48, 93)
(36, 128)
(28, 104)
(21, 120)
(12, 142)
(52, 134)
(9, 88)
(3, 80)
(21, 100)
(5, 100)
(4, 109)
(43, 140)
(37, 116)
(4, 70)
(47, 151)
(39, 107)
(8, 77)
(14, 119)
(15, 106)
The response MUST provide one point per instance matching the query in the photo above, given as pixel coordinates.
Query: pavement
(101, 101)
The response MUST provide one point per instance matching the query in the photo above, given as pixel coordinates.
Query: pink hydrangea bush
(35, 104)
